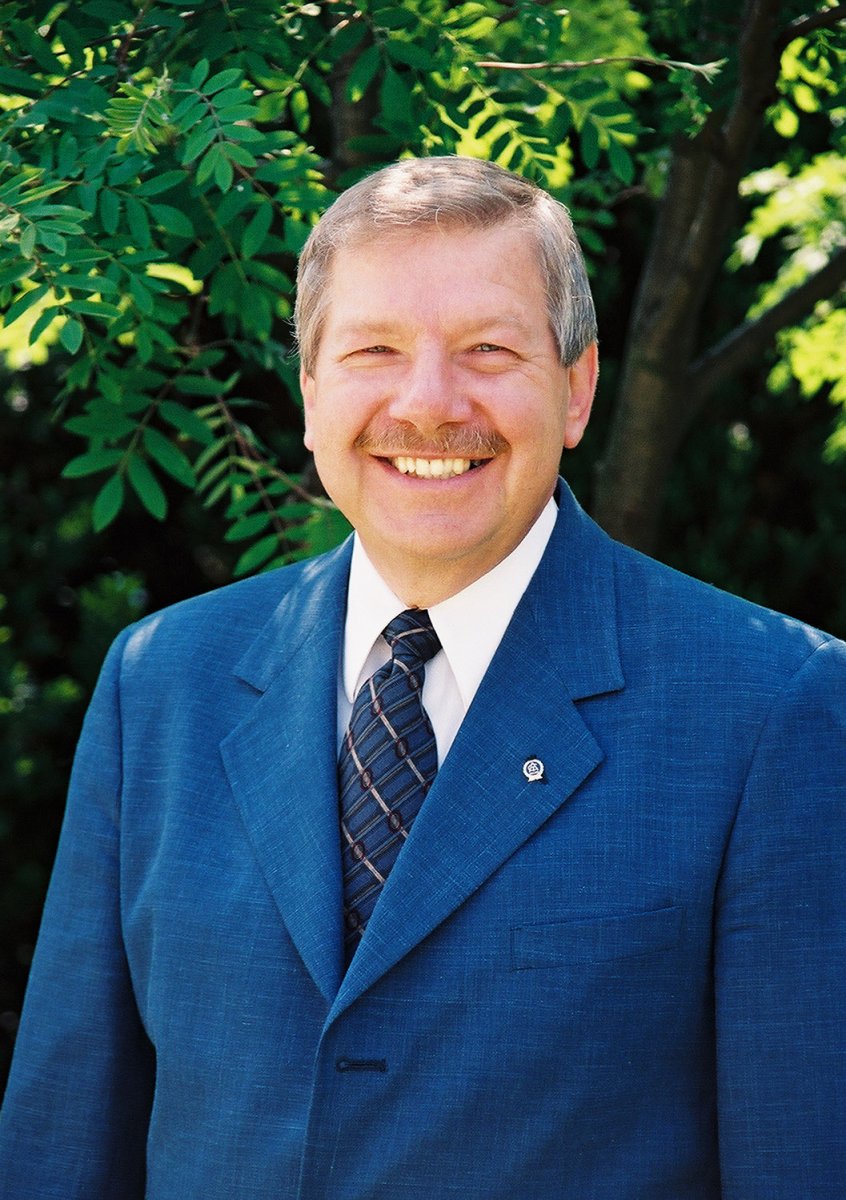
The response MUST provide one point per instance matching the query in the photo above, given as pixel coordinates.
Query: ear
(581, 378)
(307, 389)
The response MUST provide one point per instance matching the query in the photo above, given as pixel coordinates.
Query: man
(594, 950)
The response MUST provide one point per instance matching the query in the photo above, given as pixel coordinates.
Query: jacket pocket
(596, 939)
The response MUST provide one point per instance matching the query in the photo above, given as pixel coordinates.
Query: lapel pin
(533, 770)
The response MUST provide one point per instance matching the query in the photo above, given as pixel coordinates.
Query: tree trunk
(654, 407)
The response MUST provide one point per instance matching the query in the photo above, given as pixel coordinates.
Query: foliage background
(160, 166)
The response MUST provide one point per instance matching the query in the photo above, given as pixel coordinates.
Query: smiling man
(480, 858)
(438, 412)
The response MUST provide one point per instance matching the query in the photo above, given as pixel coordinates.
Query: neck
(418, 585)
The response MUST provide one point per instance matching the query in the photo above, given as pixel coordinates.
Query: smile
(434, 468)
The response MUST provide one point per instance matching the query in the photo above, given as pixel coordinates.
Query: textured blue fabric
(386, 765)
(624, 981)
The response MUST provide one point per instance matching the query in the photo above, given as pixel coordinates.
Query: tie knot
(411, 637)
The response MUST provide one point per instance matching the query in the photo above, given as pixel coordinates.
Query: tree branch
(708, 70)
(823, 19)
(751, 338)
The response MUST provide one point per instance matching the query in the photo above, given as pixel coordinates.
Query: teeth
(432, 468)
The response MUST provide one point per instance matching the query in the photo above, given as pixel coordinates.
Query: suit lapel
(281, 763)
(561, 646)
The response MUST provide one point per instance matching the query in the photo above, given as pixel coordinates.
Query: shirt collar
(468, 642)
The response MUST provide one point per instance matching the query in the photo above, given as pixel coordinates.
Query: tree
(161, 168)
(669, 370)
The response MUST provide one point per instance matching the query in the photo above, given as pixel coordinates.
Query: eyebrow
(363, 329)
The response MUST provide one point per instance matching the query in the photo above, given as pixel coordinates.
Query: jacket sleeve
(76, 1111)
(780, 951)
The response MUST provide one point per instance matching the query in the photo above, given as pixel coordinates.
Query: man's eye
(375, 349)
(488, 347)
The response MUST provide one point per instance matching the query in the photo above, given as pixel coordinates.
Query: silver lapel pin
(533, 770)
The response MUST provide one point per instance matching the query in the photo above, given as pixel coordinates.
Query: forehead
(434, 265)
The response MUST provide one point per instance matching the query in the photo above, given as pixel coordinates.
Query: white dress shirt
(469, 624)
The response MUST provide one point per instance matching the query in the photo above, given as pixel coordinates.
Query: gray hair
(449, 191)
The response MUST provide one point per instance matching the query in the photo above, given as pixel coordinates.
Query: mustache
(387, 440)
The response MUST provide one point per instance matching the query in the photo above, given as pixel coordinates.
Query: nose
(429, 394)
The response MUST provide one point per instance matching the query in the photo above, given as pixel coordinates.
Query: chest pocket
(596, 939)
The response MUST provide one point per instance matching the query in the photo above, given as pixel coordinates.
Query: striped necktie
(386, 765)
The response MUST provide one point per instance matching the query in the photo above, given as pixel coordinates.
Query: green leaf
(142, 295)
(233, 98)
(24, 303)
(107, 503)
(298, 102)
(223, 79)
(200, 140)
(257, 230)
(44, 321)
(139, 224)
(257, 555)
(410, 54)
(395, 99)
(237, 154)
(199, 73)
(103, 420)
(363, 73)
(242, 505)
(589, 142)
(295, 234)
(233, 204)
(21, 83)
(26, 243)
(129, 169)
(53, 241)
(15, 271)
(169, 457)
(246, 133)
(28, 37)
(394, 18)
(144, 344)
(201, 385)
(91, 463)
(248, 527)
(487, 125)
(93, 308)
(207, 457)
(147, 488)
(160, 183)
(621, 161)
(223, 172)
(325, 530)
(186, 421)
(89, 283)
(188, 112)
(71, 335)
(72, 42)
(68, 154)
(172, 220)
(109, 210)
(229, 116)
(208, 163)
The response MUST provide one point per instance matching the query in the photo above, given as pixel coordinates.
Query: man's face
(438, 409)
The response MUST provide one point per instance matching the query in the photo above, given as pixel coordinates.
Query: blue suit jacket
(622, 982)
